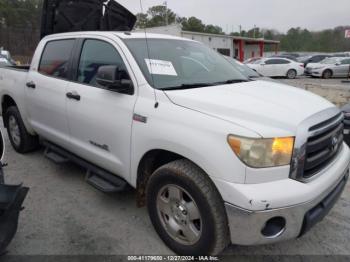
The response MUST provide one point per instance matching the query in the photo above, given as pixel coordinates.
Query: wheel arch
(292, 69)
(328, 69)
(6, 102)
(150, 162)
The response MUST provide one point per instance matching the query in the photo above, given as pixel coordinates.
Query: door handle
(73, 95)
(31, 84)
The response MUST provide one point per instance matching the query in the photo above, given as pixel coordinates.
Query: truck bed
(12, 82)
(19, 68)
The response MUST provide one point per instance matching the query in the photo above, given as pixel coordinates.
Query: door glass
(271, 62)
(97, 53)
(55, 58)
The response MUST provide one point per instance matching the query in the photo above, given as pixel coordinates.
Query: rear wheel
(186, 209)
(327, 74)
(291, 74)
(20, 138)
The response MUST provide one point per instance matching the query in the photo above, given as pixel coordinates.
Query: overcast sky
(274, 14)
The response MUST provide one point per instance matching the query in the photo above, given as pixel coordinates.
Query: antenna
(149, 57)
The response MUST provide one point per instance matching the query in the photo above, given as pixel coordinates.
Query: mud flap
(11, 200)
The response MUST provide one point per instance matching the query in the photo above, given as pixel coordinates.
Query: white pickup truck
(216, 158)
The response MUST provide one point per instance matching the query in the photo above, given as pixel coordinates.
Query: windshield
(331, 60)
(245, 70)
(171, 64)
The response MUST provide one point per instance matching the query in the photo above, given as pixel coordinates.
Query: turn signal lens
(283, 145)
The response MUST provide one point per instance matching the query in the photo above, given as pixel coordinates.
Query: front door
(100, 120)
(343, 69)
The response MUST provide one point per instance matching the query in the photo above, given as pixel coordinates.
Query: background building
(241, 48)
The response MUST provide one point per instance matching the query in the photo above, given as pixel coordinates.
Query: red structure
(252, 47)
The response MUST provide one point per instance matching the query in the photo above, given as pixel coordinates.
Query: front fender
(191, 134)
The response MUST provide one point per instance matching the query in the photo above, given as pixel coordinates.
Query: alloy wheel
(179, 214)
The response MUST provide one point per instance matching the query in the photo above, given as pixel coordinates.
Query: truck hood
(270, 109)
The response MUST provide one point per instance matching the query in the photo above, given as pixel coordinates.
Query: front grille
(323, 145)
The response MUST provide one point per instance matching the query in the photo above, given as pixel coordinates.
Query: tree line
(20, 26)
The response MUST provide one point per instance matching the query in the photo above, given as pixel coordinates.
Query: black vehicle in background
(11, 200)
(313, 59)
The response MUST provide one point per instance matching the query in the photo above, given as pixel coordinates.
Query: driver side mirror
(115, 79)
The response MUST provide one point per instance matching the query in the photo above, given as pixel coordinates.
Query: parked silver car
(330, 67)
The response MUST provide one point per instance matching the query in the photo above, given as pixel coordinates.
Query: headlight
(262, 152)
(317, 68)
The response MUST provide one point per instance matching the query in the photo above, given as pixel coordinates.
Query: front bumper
(316, 72)
(246, 226)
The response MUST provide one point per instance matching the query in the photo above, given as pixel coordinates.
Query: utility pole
(240, 30)
(166, 13)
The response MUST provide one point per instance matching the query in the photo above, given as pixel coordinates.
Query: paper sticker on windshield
(160, 67)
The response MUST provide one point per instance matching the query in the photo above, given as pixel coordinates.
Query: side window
(276, 62)
(283, 62)
(270, 62)
(55, 58)
(97, 53)
(318, 58)
(345, 62)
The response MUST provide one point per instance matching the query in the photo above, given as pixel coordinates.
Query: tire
(327, 74)
(198, 225)
(20, 139)
(291, 74)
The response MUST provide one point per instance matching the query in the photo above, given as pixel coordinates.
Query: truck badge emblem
(334, 143)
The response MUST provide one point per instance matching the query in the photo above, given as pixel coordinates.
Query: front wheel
(327, 74)
(186, 209)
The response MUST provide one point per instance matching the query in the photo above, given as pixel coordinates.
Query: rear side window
(277, 62)
(55, 58)
(97, 53)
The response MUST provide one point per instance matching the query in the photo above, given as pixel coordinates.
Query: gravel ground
(309, 81)
(331, 89)
(66, 216)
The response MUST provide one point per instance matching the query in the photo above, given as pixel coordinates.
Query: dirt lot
(332, 89)
(64, 215)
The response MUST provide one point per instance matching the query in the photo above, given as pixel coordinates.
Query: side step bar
(95, 176)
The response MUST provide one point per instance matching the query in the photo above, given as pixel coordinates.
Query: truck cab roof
(119, 34)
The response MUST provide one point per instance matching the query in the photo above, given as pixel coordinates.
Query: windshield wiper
(188, 86)
(233, 81)
(198, 85)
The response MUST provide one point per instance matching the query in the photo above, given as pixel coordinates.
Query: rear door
(100, 121)
(46, 91)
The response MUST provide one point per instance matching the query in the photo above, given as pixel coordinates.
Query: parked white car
(216, 158)
(5, 53)
(278, 67)
(330, 67)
